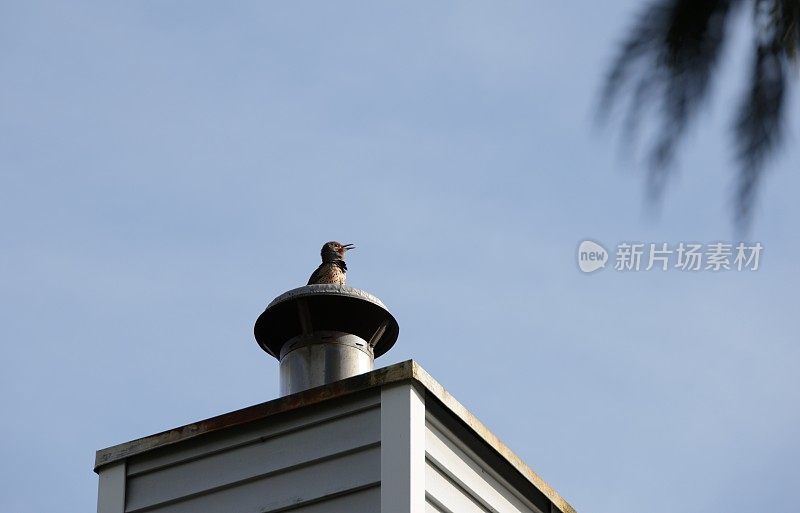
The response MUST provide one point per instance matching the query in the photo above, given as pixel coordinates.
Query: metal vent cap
(316, 308)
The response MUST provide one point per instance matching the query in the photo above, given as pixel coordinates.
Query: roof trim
(408, 370)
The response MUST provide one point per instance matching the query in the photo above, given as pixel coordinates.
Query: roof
(401, 372)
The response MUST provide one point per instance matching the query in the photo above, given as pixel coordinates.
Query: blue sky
(167, 168)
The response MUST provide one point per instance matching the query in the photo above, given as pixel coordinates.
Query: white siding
(288, 489)
(402, 449)
(111, 490)
(458, 481)
(301, 463)
(367, 501)
(432, 507)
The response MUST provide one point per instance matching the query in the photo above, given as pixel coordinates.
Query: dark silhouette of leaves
(669, 59)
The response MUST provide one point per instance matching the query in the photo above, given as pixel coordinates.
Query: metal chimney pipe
(324, 333)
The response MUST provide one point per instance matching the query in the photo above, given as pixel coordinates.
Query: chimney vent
(324, 333)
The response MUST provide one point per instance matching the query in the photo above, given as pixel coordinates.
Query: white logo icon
(591, 256)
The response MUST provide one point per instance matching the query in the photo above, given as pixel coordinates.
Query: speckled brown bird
(332, 269)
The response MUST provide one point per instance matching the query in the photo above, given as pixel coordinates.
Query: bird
(332, 269)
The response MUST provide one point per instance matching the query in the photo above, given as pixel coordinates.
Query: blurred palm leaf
(669, 58)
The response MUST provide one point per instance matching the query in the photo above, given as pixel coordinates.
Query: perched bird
(332, 269)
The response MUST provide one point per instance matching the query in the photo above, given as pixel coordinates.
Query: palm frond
(670, 56)
(759, 122)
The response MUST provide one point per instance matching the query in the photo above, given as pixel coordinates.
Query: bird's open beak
(348, 246)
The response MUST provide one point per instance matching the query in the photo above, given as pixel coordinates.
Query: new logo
(591, 256)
